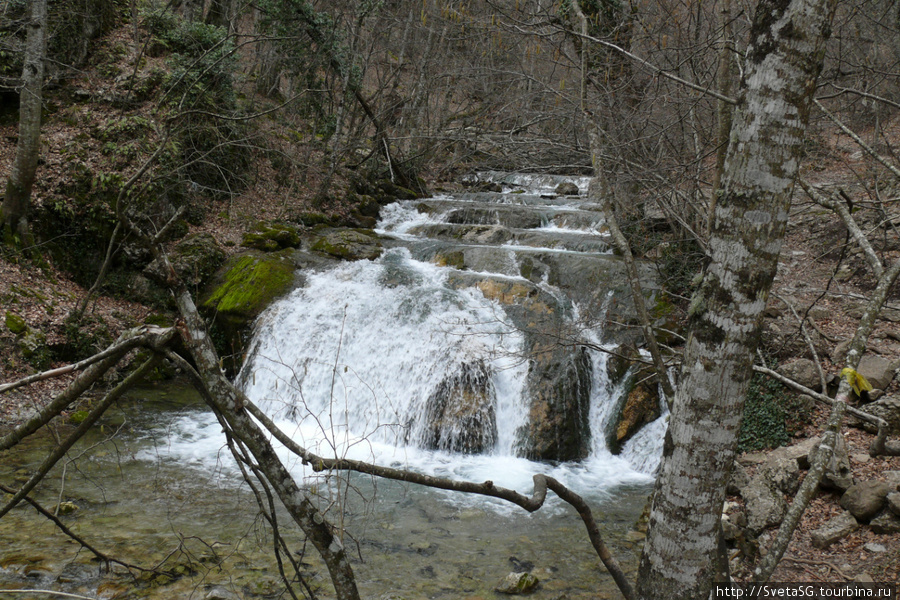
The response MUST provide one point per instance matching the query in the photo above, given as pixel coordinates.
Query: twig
(819, 563)
(541, 484)
(79, 432)
(62, 527)
(868, 149)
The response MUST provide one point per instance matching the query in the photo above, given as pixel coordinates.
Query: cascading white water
(354, 354)
(346, 365)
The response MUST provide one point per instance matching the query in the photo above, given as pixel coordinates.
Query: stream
(352, 364)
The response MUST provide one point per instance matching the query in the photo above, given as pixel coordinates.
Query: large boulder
(764, 503)
(865, 499)
(559, 386)
(195, 259)
(244, 286)
(782, 475)
(347, 244)
(836, 529)
(803, 371)
(558, 383)
(878, 371)
(459, 414)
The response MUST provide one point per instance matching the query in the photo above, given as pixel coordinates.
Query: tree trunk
(783, 62)
(14, 215)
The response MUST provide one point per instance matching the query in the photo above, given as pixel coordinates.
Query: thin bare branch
(541, 484)
(844, 213)
(853, 135)
(79, 432)
(149, 336)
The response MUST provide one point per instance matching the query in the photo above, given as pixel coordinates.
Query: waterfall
(424, 358)
(354, 355)
(352, 363)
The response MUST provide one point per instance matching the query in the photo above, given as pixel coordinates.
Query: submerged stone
(517, 583)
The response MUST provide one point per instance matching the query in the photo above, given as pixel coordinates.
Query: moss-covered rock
(195, 259)
(247, 284)
(244, 286)
(271, 237)
(35, 349)
(16, 324)
(368, 206)
(312, 218)
(390, 191)
(348, 244)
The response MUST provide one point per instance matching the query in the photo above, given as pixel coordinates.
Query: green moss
(16, 324)
(160, 320)
(78, 417)
(349, 244)
(271, 236)
(249, 284)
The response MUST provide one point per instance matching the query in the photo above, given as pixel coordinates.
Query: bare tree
(782, 63)
(16, 203)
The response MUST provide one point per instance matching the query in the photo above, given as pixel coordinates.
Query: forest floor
(816, 274)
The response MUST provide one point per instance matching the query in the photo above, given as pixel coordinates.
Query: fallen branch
(816, 563)
(47, 592)
(148, 336)
(71, 534)
(541, 484)
(79, 432)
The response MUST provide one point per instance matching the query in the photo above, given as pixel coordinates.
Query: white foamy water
(345, 365)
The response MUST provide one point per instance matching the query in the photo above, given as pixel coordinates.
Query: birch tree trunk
(787, 43)
(14, 214)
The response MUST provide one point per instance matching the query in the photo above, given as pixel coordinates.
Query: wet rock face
(460, 414)
(640, 403)
(347, 244)
(559, 385)
(641, 407)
